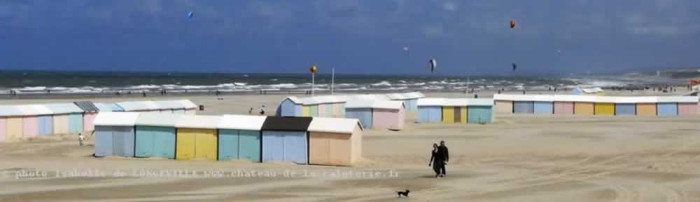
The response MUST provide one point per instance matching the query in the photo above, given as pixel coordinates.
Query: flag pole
(332, 79)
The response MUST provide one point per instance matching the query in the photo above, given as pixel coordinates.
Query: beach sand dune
(518, 158)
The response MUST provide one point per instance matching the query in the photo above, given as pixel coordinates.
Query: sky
(469, 37)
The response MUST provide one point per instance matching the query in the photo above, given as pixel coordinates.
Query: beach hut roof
(10, 110)
(678, 99)
(628, 100)
(29, 110)
(294, 99)
(605, 99)
(507, 97)
(326, 99)
(138, 105)
(367, 97)
(198, 121)
(646, 99)
(541, 98)
(430, 102)
(383, 104)
(359, 104)
(116, 119)
(566, 98)
(108, 107)
(480, 102)
(87, 106)
(242, 122)
(455, 102)
(334, 125)
(64, 108)
(287, 123)
(397, 96)
(158, 119)
(188, 104)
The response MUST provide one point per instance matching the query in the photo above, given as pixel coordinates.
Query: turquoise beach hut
(155, 135)
(240, 137)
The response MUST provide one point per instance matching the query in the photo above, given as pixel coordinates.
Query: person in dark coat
(433, 161)
(443, 155)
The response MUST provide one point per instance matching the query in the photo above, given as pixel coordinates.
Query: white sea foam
(381, 84)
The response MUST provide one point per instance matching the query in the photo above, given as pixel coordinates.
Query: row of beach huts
(389, 111)
(300, 140)
(22, 121)
(596, 105)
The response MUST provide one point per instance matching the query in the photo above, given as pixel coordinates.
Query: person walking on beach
(433, 160)
(81, 138)
(262, 110)
(250, 111)
(443, 156)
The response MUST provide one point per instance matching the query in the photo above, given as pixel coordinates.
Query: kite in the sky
(515, 66)
(190, 15)
(512, 24)
(433, 64)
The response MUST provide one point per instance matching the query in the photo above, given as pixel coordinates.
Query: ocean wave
(381, 84)
(284, 85)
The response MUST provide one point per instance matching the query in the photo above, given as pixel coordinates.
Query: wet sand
(518, 158)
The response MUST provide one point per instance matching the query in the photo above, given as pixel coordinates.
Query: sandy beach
(517, 158)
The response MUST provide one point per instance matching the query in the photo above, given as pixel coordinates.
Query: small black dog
(404, 193)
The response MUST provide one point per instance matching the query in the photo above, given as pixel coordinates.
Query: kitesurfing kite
(515, 66)
(190, 15)
(512, 24)
(433, 64)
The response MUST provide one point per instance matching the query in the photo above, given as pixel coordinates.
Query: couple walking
(439, 158)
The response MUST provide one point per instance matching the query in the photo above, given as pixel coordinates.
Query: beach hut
(89, 113)
(455, 110)
(34, 120)
(139, 106)
(108, 107)
(289, 107)
(687, 105)
(361, 110)
(604, 105)
(67, 118)
(388, 114)
(197, 137)
(564, 104)
(429, 110)
(11, 122)
(503, 103)
(584, 105)
(239, 137)
(155, 135)
(480, 111)
(335, 141)
(524, 104)
(114, 133)
(666, 106)
(410, 100)
(626, 106)
(543, 104)
(285, 139)
(646, 106)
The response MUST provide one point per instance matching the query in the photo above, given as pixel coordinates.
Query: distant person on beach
(81, 138)
(262, 110)
(433, 160)
(250, 111)
(143, 93)
(476, 95)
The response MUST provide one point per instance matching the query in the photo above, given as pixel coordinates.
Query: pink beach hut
(388, 114)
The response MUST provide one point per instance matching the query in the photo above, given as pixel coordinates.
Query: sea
(59, 82)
